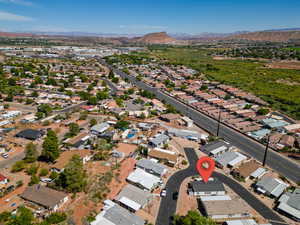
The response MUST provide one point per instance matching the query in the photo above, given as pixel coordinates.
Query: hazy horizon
(136, 17)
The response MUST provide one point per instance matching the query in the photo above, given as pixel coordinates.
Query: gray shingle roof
(226, 157)
(210, 186)
(214, 145)
(271, 185)
(294, 200)
(159, 139)
(135, 194)
(121, 216)
(42, 195)
(150, 165)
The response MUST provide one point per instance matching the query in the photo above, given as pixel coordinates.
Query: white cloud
(6, 16)
(18, 2)
(142, 27)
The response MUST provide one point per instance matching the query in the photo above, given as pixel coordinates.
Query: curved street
(168, 204)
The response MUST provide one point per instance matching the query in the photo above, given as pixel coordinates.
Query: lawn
(249, 75)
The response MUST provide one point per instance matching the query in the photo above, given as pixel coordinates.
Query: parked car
(175, 195)
(4, 155)
(46, 180)
(163, 193)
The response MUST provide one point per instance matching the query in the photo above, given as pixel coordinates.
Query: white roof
(131, 204)
(288, 209)
(241, 222)
(259, 172)
(238, 159)
(143, 178)
(220, 149)
(165, 151)
(215, 198)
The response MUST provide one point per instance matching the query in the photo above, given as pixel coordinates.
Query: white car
(163, 193)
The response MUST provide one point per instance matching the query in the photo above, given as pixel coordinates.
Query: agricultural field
(279, 87)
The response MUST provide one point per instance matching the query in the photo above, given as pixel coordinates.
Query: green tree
(56, 217)
(115, 80)
(35, 94)
(263, 111)
(32, 169)
(73, 178)
(192, 218)
(18, 166)
(93, 122)
(44, 109)
(23, 217)
(50, 146)
(122, 124)
(43, 172)
(74, 129)
(111, 75)
(31, 153)
(101, 95)
(34, 180)
(92, 100)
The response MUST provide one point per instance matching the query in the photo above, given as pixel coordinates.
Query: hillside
(6, 34)
(276, 36)
(156, 38)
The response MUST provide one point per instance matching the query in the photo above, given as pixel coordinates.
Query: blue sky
(144, 16)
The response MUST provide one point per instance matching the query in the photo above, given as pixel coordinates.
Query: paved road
(253, 148)
(168, 205)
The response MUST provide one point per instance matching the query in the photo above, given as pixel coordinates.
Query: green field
(248, 75)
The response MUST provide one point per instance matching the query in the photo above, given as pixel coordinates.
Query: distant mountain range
(279, 35)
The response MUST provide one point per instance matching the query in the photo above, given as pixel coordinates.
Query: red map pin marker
(205, 167)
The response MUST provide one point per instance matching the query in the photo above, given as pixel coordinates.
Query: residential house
(170, 117)
(45, 197)
(222, 210)
(216, 148)
(241, 222)
(289, 204)
(152, 167)
(133, 198)
(270, 186)
(286, 141)
(99, 128)
(229, 159)
(116, 215)
(247, 169)
(66, 156)
(163, 154)
(78, 141)
(30, 134)
(201, 188)
(159, 140)
(144, 180)
(187, 134)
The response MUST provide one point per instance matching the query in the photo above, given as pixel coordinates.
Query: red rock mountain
(277, 36)
(156, 38)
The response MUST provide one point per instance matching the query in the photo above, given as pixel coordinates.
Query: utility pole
(219, 121)
(266, 151)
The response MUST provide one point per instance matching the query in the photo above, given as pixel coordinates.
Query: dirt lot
(187, 202)
(295, 65)
(82, 206)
